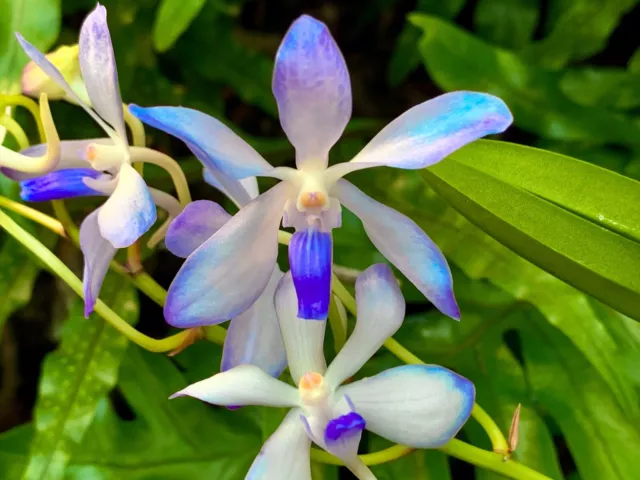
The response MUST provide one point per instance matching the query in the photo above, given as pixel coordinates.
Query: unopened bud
(65, 58)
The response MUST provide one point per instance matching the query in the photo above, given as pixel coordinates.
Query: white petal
(98, 253)
(254, 336)
(242, 385)
(98, 65)
(303, 339)
(381, 310)
(228, 272)
(405, 245)
(240, 192)
(129, 212)
(422, 406)
(285, 455)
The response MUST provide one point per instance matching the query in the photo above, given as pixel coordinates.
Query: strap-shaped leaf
(74, 379)
(539, 222)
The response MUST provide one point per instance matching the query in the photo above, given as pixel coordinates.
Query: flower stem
(147, 155)
(498, 440)
(29, 104)
(456, 448)
(377, 458)
(338, 328)
(16, 130)
(33, 214)
(491, 461)
(55, 265)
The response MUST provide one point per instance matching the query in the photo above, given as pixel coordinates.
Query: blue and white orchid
(312, 89)
(98, 166)
(421, 406)
(253, 336)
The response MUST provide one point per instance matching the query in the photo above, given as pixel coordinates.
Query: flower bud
(65, 59)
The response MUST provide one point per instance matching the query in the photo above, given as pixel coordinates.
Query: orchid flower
(253, 336)
(421, 406)
(100, 166)
(312, 89)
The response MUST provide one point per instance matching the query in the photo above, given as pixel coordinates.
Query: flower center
(313, 388)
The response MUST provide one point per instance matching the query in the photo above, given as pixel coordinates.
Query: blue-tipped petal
(215, 144)
(129, 212)
(98, 253)
(194, 226)
(381, 309)
(223, 277)
(404, 243)
(422, 406)
(254, 336)
(310, 258)
(99, 71)
(59, 185)
(312, 87)
(427, 133)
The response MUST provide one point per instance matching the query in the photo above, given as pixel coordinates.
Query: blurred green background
(78, 402)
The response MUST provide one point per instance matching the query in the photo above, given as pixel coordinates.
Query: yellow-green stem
(337, 327)
(15, 130)
(55, 265)
(33, 214)
(29, 104)
(377, 458)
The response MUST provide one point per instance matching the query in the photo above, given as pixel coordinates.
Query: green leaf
(172, 19)
(580, 29)
(534, 216)
(614, 88)
(38, 21)
(507, 23)
(74, 379)
(406, 57)
(603, 440)
(457, 60)
(634, 62)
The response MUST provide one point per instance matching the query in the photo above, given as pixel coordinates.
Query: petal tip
(181, 393)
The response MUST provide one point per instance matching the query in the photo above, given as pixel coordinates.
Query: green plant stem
(33, 214)
(29, 104)
(337, 327)
(55, 265)
(377, 458)
(16, 130)
(455, 448)
(491, 461)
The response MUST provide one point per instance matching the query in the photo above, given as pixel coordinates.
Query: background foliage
(77, 402)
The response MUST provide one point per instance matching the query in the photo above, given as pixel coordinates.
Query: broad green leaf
(418, 465)
(169, 439)
(456, 60)
(508, 23)
(481, 257)
(38, 21)
(603, 440)
(406, 57)
(246, 71)
(609, 200)
(172, 19)
(614, 88)
(634, 62)
(580, 29)
(593, 255)
(74, 379)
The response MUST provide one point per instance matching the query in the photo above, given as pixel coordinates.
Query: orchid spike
(313, 92)
(253, 336)
(421, 406)
(96, 167)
